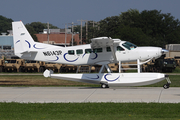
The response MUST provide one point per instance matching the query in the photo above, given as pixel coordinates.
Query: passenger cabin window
(108, 49)
(80, 51)
(87, 51)
(119, 48)
(129, 46)
(71, 52)
(97, 50)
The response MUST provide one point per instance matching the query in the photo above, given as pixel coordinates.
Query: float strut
(166, 86)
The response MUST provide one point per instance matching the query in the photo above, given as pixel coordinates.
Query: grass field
(177, 70)
(175, 82)
(89, 111)
(83, 111)
(36, 80)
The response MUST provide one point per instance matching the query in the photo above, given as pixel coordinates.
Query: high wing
(103, 42)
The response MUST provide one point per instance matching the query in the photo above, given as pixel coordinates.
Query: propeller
(164, 51)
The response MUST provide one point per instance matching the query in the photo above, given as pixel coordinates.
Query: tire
(21, 69)
(104, 86)
(1, 69)
(41, 69)
(165, 86)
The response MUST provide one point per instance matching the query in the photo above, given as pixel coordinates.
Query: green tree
(5, 24)
(162, 28)
(129, 18)
(171, 29)
(133, 34)
(37, 26)
(32, 32)
(109, 26)
(146, 28)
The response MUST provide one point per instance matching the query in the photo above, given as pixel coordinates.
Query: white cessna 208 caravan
(102, 51)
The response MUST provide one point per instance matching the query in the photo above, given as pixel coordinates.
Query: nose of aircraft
(164, 51)
(151, 52)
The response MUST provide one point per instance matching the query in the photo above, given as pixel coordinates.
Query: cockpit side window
(129, 46)
(119, 48)
(108, 49)
(97, 50)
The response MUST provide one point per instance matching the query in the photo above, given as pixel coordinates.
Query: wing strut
(107, 68)
(113, 52)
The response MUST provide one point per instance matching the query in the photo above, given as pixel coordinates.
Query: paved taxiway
(86, 94)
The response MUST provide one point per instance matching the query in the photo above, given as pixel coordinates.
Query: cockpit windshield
(129, 46)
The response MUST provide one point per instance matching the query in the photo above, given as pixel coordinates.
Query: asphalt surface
(88, 94)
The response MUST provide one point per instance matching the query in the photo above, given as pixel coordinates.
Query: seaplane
(102, 51)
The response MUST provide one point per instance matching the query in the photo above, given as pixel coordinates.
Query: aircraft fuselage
(83, 54)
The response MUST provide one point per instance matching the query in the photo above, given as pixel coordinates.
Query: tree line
(146, 28)
(33, 28)
(5, 24)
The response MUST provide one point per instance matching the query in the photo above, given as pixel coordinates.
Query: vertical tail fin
(22, 39)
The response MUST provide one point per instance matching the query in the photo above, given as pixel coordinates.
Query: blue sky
(60, 12)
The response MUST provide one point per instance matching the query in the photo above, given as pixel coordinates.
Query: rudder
(21, 37)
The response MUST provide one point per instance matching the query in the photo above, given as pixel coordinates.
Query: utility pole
(65, 33)
(81, 28)
(98, 26)
(48, 31)
(93, 25)
(72, 33)
(86, 30)
(72, 27)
